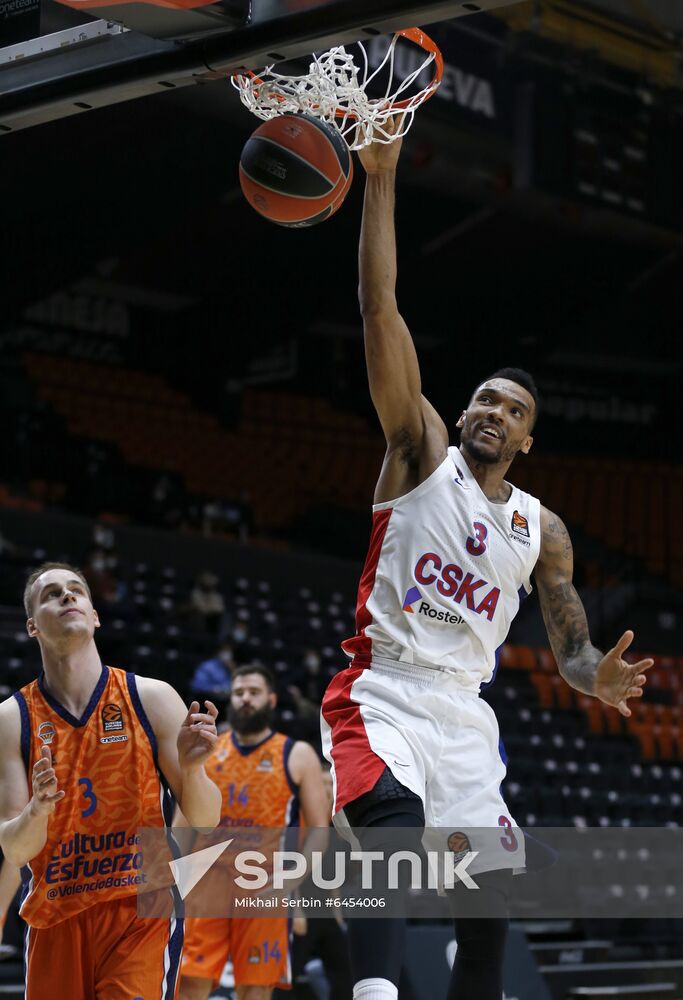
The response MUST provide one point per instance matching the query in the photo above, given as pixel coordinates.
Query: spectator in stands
(305, 708)
(207, 606)
(231, 518)
(104, 585)
(306, 694)
(213, 677)
(309, 680)
(103, 537)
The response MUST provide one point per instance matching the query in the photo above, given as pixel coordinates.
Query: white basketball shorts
(438, 738)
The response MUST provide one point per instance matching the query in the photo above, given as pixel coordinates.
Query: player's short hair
(523, 378)
(256, 669)
(43, 568)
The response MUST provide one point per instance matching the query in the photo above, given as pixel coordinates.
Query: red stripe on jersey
(357, 767)
(359, 647)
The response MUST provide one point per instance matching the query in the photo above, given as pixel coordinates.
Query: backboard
(90, 55)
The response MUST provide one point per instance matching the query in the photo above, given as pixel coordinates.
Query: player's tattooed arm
(606, 676)
(563, 612)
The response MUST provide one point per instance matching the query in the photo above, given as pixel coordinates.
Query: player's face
(62, 609)
(497, 422)
(251, 704)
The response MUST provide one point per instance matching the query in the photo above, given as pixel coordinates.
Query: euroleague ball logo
(112, 718)
(459, 844)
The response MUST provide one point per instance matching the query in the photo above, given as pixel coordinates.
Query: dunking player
(266, 780)
(87, 753)
(452, 550)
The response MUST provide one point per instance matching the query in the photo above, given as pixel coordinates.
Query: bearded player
(452, 550)
(267, 780)
(88, 754)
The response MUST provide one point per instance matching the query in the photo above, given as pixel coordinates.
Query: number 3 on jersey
(89, 797)
(477, 546)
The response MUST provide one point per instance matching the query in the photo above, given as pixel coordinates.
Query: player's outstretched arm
(393, 369)
(24, 813)
(186, 739)
(607, 676)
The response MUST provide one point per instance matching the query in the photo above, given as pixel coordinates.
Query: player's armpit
(409, 460)
(561, 606)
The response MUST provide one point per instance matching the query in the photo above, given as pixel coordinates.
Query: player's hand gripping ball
(296, 170)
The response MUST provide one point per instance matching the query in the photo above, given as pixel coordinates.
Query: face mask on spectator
(312, 663)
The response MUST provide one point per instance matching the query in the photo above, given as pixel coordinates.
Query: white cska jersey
(445, 574)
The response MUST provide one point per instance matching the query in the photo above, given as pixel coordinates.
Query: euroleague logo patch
(265, 763)
(112, 718)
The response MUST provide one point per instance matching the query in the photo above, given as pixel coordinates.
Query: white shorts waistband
(424, 675)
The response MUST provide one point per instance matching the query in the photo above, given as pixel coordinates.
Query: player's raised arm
(24, 812)
(186, 740)
(393, 369)
(606, 676)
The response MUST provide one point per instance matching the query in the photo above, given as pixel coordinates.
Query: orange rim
(418, 36)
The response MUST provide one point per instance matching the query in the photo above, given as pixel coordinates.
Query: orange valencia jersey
(255, 783)
(106, 762)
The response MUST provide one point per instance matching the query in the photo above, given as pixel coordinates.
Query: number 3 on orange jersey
(89, 797)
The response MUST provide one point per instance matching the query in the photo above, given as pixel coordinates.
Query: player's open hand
(616, 680)
(46, 793)
(198, 735)
(382, 157)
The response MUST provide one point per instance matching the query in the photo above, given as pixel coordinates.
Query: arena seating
(316, 455)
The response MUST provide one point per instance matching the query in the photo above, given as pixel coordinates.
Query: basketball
(295, 170)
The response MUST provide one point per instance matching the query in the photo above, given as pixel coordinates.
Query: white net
(335, 89)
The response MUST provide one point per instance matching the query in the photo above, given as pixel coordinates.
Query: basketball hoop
(335, 89)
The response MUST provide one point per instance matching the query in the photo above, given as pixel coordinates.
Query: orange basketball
(296, 170)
